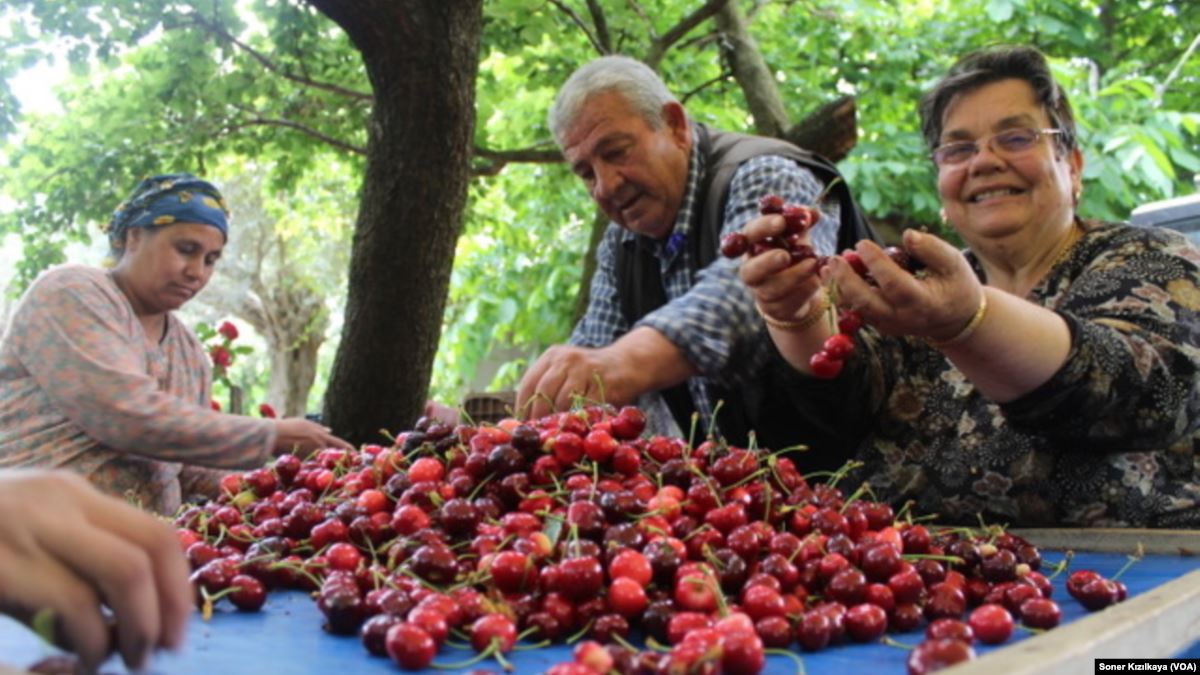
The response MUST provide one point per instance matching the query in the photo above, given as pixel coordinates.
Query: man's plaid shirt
(709, 314)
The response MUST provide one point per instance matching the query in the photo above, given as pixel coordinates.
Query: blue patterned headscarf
(166, 199)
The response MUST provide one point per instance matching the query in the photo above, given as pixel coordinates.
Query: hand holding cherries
(797, 219)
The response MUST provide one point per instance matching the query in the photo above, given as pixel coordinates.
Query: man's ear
(677, 122)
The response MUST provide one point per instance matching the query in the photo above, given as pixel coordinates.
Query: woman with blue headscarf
(98, 375)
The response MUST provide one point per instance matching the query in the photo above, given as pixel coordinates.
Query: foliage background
(273, 90)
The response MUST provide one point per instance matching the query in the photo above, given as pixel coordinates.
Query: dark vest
(754, 405)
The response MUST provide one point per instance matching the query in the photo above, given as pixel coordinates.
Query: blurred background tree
(279, 100)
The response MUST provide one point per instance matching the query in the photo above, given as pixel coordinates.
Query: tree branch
(660, 45)
(751, 72)
(258, 121)
(498, 159)
(582, 25)
(705, 85)
(601, 24)
(1161, 89)
(220, 32)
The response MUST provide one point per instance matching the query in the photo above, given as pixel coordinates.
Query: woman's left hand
(937, 305)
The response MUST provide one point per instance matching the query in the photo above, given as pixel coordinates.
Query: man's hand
(65, 549)
(564, 372)
(641, 361)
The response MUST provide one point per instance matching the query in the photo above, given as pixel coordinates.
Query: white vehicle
(1180, 213)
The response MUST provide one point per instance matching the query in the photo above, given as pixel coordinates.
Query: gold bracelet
(816, 310)
(968, 329)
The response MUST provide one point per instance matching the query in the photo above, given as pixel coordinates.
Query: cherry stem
(692, 431)
(1062, 564)
(889, 641)
(43, 624)
(625, 643)
(792, 655)
(825, 192)
(529, 647)
(572, 639)
(1138, 554)
(657, 646)
(928, 556)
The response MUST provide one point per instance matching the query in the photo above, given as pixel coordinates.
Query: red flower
(266, 410)
(220, 356)
(214, 405)
(228, 330)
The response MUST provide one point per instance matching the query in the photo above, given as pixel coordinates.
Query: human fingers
(527, 389)
(578, 380)
(940, 258)
(122, 573)
(545, 396)
(757, 229)
(32, 583)
(169, 567)
(328, 440)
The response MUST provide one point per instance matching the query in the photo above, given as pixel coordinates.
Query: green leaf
(999, 11)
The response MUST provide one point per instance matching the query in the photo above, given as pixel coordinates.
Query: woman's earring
(942, 214)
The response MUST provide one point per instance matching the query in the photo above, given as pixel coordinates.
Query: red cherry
(824, 366)
(855, 261)
(796, 218)
(933, 655)
(426, 469)
(627, 597)
(696, 592)
(866, 622)
(632, 564)
(814, 631)
(770, 204)
(410, 647)
(599, 446)
(629, 423)
(1040, 613)
(1098, 594)
(512, 572)
(493, 629)
(344, 556)
(742, 652)
(734, 245)
(849, 322)
(249, 594)
(839, 346)
(992, 624)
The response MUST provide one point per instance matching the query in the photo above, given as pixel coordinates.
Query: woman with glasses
(1045, 375)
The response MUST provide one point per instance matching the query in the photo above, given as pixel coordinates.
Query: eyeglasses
(1009, 142)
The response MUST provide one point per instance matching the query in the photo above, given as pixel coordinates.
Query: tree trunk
(421, 57)
(599, 226)
(751, 72)
(831, 130)
(293, 370)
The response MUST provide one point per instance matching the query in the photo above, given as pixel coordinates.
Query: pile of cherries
(574, 527)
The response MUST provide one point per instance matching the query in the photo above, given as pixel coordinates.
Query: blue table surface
(287, 637)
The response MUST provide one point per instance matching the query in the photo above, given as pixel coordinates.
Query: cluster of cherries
(826, 363)
(574, 527)
(797, 219)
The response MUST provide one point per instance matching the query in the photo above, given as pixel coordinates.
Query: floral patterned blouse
(1109, 440)
(82, 387)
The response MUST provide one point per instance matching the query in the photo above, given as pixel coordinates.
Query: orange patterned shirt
(82, 387)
